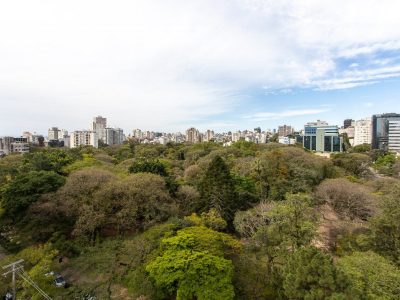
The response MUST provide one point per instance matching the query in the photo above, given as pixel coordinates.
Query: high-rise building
(208, 135)
(53, 133)
(114, 136)
(322, 138)
(84, 138)
(285, 130)
(347, 123)
(362, 131)
(394, 136)
(56, 134)
(192, 135)
(380, 129)
(99, 126)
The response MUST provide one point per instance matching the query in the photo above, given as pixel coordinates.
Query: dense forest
(202, 221)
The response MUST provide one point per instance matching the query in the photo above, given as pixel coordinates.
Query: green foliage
(370, 276)
(9, 167)
(292, 222)
(148, 166)
(386, 226)
(217, 190)
(356, 164)
(88, 161)
(274, 230)
(109, 222)
(280, 226)
(25, 189)
(191, 269)
(310, 274)
(37, 262)
(210, 219)
(246, 148)
(385, 163)
(288, 170)
(363, 148)
(127, 204)
(50, 159)
(187, 197)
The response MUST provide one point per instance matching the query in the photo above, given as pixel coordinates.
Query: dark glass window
(336, 144)
(328, 143)
(307, 140)
(314, 143)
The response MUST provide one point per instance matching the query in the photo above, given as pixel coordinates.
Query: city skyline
(225, 66)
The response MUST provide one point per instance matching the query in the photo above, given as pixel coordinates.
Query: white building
(84, 138)
(363, 132)
(286, 140)
(394, 136)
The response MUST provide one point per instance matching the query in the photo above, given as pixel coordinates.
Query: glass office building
(380, 130)
(324, 138)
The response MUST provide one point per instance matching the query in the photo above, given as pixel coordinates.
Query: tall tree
(217, 190)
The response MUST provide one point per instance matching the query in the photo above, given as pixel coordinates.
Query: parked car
(59, 281)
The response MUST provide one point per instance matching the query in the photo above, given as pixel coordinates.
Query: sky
(212, 64)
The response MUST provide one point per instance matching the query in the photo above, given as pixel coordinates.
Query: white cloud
(164, 65)
(262, 116)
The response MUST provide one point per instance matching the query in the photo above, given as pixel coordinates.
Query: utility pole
(16, 268)
(13, 268)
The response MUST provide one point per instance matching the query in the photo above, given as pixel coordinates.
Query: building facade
(363, 131)
(193, 135)
(394, 136)
(286, 140)
(347, 123)
(323, 138)
(114, 136)
(9, 145)
(53, 134)
(84, 138)
(285, 130)
(99, 126)
(208, 135)
(380, 130)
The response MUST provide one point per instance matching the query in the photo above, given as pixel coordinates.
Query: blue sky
(222, 65)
